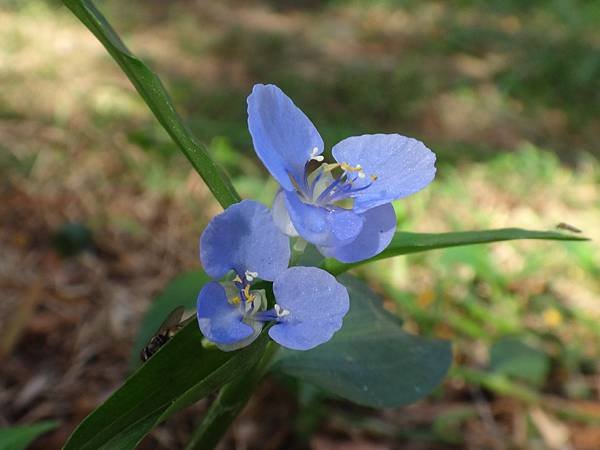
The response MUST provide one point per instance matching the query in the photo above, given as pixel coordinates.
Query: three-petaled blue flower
(375, 170)
(244, 239)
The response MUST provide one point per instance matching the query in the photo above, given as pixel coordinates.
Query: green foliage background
(506, 93)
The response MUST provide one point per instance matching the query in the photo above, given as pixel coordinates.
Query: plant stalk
(232, 398)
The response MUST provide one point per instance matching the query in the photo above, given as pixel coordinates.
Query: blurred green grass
(506, 93)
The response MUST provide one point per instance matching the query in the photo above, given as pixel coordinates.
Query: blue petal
(322, 226)
(375, 236)
(244, 238)
(402, 166)
(283, 137)
(220, 321)
(317, 305)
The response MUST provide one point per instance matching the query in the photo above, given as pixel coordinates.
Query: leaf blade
(19, 437)
(363, 361)
(405, 243)
(180, 291)
(180, 365)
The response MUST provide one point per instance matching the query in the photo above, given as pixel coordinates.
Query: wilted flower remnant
(245, 241)
(374, 170)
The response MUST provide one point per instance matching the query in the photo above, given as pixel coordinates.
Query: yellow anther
(235, 300)
(237, 279)
(348, 168)
(373, 177)
(247, 294)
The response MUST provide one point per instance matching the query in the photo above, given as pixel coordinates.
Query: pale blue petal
(402, 166)
(220, 321)
(244, 238)
(317, 305)
(375, 236)
(283, 137)
(281, 217)
(323, 226)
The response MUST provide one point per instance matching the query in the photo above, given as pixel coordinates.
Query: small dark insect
(168, 328)
(567, 227)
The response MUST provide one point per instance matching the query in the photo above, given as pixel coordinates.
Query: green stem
(298, 247)
(230, 402)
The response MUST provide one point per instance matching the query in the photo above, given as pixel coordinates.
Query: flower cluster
(343, 208)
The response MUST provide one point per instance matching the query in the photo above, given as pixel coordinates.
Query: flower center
(252, 304)
(321, 188)
(239, 294)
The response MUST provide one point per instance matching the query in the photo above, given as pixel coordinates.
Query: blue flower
(245, 240)
(373, 171)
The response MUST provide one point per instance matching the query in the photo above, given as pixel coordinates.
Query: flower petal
(375, 236)
(402, 166)
(220, 321)
(317, 304)
(283, 137)
(244, 238)
(281, 217)
(322, 226)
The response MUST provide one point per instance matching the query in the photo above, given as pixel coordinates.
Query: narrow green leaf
(181, 368)
(182, 290)
(404, 243)
(371, 360)
(228, 405)
(19, 437)
(154, 94)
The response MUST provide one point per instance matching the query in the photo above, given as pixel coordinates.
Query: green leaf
(182, 290)
(180, 373)
(154, 94)
(404, 243)
(371, 360)
(512, 357)
(229, 404)
(19, 437)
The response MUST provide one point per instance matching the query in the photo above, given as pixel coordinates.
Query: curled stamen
(318, 177)
(299, 190)
(348, 193)
(329, 189)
